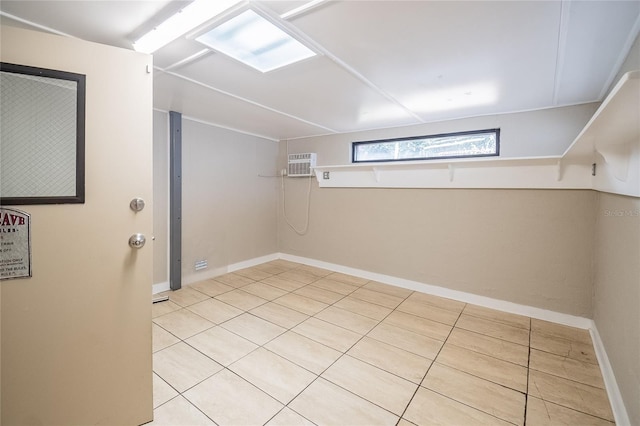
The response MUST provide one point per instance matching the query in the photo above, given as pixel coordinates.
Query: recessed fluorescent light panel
(191, 16)
(255, 41)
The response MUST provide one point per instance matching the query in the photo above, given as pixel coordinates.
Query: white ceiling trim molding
(303, 9)
(221, 126)
(240, 98)
(368, 82)
(563, 31)
(35, 25)
(624, 52)
(325, 52)
(463, 117)
(186, 60)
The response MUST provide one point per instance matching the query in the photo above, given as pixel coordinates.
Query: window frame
(80, 79)
(354, 146)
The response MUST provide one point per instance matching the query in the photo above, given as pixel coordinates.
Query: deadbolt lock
(137, 204)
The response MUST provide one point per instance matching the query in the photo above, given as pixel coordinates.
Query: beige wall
(533, 247)
(617, 292)
(229, 212)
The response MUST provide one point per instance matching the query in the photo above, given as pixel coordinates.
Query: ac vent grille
(300, 165)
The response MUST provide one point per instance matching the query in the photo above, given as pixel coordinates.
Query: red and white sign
(15, 244)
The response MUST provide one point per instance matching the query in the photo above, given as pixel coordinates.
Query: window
(42, 122)
(480, 143)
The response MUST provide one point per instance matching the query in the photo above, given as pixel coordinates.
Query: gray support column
(175, 200)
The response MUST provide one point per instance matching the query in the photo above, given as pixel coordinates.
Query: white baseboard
(613, 391)
(215, 272)
(253, 262)
(488, 302)
(203, 275)
(611, 385)
(160, 287)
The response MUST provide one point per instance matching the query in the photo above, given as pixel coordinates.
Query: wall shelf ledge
(505, 172)
(611, 140)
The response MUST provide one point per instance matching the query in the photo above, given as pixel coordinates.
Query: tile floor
(288, 344)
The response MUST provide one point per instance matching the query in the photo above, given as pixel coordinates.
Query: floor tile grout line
(467, 405)
(361, 338)
(190, 387)
(343, 353)
(359, 396)
(314, 315)
(484, 334)
(226, 367)
(317, 376)
(425, 318)
(170, 385)
(474, 375)
(498, 321)
(259, 346)
(566, 357)
(431, 365)
(188, 402)
(490, 356)
(545, 401)
(287, 407)
(489, 319)
(362, 335)
(215, 325)
(481, 378)
(446, 396)
(526, 395)
(346, 353)
(569, 380)
(202, 331)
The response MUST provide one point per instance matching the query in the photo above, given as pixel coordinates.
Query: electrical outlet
(325, 175)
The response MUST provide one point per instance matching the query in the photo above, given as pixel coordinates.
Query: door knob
(137, 241)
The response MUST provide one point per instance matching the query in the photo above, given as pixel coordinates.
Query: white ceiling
(382, 64)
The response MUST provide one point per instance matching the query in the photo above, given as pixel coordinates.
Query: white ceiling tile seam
(240, 98)
(324, 51)
(307, 7)
(621, 58)
(221, 126)
(36, 25)
(187, 60)
(563, 31)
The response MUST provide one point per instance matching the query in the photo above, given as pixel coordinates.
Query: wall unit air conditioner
(300, 165)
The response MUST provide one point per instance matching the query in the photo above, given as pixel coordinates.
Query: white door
(76, 337)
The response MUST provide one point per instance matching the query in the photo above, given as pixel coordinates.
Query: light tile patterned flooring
(289, 344)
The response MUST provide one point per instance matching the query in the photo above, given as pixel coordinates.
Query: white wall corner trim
(613, 391)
